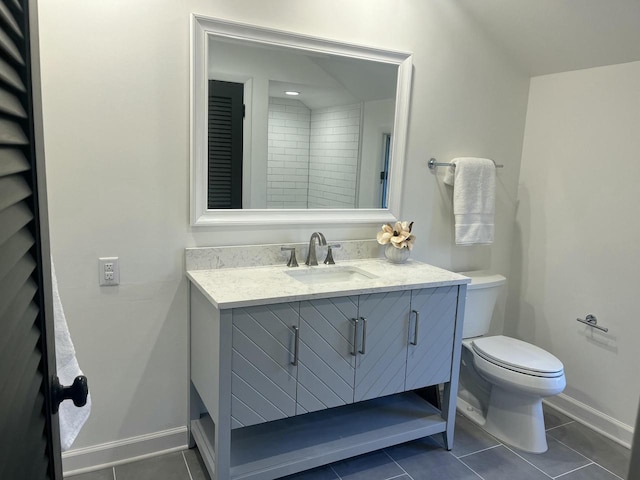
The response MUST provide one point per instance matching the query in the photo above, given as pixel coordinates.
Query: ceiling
(550, 36)
(356, 81)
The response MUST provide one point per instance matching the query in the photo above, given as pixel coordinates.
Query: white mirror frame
(203, 27)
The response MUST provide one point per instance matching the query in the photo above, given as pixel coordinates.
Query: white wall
(116, 111)
(333, 156)
(577, 234)
(288, 153)
(377, 121)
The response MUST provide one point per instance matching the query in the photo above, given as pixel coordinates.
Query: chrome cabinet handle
(296, 345)
(355, 337)
(364, 334)
(415, 332)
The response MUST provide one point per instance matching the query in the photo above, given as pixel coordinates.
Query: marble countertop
(248, 286)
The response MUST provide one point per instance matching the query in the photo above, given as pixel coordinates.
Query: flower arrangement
(399, 235)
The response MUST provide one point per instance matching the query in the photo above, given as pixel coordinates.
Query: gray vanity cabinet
(281, 388)
(381, 358)
(402, 341)
(326, 365)
(431, 333)
(263, 377)
(341, 362)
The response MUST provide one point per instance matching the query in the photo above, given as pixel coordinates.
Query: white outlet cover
(108, 271)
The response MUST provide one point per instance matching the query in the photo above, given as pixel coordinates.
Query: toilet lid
(518, 355)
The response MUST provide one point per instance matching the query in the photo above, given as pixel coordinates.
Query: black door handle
(78, 392)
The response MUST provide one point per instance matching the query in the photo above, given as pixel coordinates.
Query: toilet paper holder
(592, 321)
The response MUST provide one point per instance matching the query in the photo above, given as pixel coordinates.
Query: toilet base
(472, 412)
(517, 420)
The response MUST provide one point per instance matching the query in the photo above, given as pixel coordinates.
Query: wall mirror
(287, 128)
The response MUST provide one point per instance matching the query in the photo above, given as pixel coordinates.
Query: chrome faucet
(311, 255)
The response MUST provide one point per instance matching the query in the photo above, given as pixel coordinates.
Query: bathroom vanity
(293, 368)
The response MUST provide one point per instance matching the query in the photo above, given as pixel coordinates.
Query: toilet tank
(482, 294)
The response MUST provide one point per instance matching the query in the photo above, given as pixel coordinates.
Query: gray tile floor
(575, 453)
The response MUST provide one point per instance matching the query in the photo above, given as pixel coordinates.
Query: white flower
(399, 235)
(384, 236)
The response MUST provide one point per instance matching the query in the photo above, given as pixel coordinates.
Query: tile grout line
(607, 470)
(591, 460)
(477, 451)
(462, 462)
(572, 449)
(520, 456)
(397, 476)
(574, 470)
(394, 461)
(334, 471)
(466, 455)
(186, 464)
(561, 425)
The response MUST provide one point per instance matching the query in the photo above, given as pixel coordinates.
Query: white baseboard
(608, 426)
(87, 459)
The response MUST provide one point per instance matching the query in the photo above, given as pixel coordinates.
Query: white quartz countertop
(248, 286)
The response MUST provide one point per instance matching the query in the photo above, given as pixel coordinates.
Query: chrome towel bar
(592, 321)
(432, 163)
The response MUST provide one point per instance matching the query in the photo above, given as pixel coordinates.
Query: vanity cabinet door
(430, 351)
(326, 366)
(263, 383)
(382, 349)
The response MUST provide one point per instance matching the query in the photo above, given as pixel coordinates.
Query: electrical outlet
(109, 271)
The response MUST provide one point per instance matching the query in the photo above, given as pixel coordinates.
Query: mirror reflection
(297, 129)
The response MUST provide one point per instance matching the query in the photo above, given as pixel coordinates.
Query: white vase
(396, 255)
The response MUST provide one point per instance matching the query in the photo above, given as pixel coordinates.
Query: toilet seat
(518, 356)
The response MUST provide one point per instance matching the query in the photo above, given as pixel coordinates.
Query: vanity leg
(449, 414)
(223, 420)
(195, 408)
(450, 396)
(223, 453)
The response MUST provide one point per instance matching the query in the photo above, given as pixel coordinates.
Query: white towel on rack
(71, 418)
(474, 198)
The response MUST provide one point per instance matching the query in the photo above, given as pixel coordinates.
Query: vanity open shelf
(282, 383)
(298, 443)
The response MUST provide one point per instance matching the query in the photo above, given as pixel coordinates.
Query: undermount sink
(330, 274)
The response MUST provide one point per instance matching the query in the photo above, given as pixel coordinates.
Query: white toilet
(503, 380)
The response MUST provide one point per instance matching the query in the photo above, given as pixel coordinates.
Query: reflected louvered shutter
(225, 144)
(26, 425)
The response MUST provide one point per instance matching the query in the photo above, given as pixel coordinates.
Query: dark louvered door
(29, 436)
(226, 111)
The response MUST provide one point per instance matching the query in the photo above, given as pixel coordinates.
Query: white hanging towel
(474, 199)
(71, 418)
